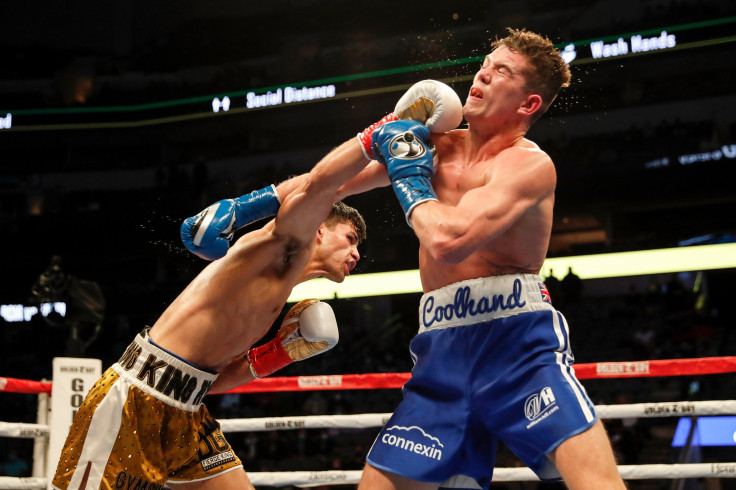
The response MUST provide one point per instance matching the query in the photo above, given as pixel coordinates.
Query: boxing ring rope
(370, 420)
(675, 367)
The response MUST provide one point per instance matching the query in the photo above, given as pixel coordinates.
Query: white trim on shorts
(561, 356)
(481, 300)
(100, 438)
(165, 377)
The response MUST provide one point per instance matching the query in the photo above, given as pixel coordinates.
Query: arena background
(109, 138)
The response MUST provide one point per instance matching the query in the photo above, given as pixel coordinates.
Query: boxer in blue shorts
(492, 356)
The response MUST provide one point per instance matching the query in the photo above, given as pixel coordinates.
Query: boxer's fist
(364, 137)
(432, 103)
(309, 329)
(408, 153)
(208, 233)
(429, 102)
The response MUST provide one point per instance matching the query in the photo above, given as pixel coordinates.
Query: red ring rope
(597, 370)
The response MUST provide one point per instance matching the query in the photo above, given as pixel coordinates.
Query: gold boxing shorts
(143, 424)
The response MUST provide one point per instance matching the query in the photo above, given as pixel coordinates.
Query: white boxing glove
(310, 328)
(432, 103)
(429, 102)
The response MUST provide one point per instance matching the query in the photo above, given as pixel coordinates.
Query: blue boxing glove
(406, 150)
(208, 233)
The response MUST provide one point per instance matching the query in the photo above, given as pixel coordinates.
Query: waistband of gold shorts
(163, 375)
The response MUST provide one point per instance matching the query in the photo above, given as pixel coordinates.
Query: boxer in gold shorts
(172, 436)
(143, 424)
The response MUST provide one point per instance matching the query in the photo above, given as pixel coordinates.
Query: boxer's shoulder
(449, 142)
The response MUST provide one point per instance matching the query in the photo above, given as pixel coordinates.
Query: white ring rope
(634, 410)
(667, 409)
(315, 478)
(359, 421)
(12, 483)
(23, 430)
(368, 420)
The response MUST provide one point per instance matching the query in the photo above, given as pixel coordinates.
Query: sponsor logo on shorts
(128, 481)
(539, 406)
(163, 377)
(414, 440)
(464, 306)
(217, 460)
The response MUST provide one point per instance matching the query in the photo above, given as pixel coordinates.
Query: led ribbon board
(652, 41)
(621, 264)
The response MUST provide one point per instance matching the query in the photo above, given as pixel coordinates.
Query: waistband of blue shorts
(480, 300)
(163, 375)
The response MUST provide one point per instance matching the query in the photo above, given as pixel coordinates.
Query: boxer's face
(499, 86)
(337, 250)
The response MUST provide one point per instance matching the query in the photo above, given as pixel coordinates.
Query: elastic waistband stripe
(163, 375)
(481, 300)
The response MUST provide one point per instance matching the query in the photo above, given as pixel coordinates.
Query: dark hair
(342, 213)
(549, 71)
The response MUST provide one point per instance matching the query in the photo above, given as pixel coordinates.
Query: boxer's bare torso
(519, 248)
(234, 301)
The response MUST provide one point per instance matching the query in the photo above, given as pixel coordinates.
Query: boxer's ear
(531, 105)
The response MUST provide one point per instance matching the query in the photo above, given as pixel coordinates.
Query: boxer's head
(338, 237)
(548, 72)
(342, 213)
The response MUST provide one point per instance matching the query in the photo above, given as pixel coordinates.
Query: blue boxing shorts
(492, 362)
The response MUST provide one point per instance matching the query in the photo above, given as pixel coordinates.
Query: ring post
(41, 443)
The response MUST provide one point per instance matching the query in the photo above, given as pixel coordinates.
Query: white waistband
(163, 375)
(481, 300)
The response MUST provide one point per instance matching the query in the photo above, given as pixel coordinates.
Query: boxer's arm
(235, 374)
(305, 209)
(522, 179)
(308, 329)
(338, 174)
(290, 185)
(371, 177)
